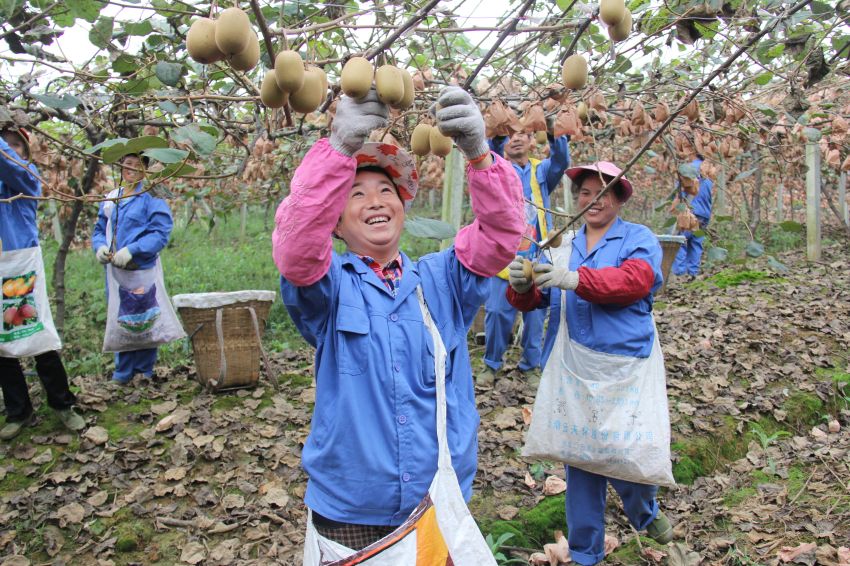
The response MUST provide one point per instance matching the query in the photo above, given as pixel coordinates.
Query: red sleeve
(622, 285)
(524, 301)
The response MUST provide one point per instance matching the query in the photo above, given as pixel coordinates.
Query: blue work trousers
(689, 256)
(586, 494)
(128, 364)
(498, 323)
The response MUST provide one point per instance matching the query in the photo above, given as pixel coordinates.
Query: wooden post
(569, 204)
(842, 198)
(453, 179)
(813, 190)
(780, 203)
(56, 224)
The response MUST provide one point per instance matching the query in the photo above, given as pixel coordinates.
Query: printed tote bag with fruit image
(440, 531)
(27, 328)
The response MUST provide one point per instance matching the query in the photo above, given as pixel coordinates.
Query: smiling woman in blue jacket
(130, 233)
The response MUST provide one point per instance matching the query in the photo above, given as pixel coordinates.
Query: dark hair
(22, 137)
(618, 190)
(382, 171)
(144, 158)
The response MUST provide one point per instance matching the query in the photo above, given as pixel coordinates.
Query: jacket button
(394, 317)
(402, 419)
(405, 477)
(396, 367)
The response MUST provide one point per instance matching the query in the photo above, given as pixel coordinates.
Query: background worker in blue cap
(18, 231)
(689, 257)
(539, 179)
(130, 233)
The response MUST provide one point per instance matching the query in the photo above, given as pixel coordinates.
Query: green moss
(498, 528)
(302, 379)
(702, 455)
(630, 551)
(686, 470)
(738, 496)
(729, 277)
(803, 408)
(226, 402)
(796, 480)
(548, 516)
(132, 532)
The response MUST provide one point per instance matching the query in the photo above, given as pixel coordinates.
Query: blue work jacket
(141, 223)
(18, 224)
(701, 202)
(372, 449)
(550, 171)
(627, 330)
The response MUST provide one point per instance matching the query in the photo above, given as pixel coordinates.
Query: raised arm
(487, 245)
(305, 220)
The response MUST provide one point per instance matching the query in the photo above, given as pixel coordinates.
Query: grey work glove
(121, 258)
(354, 121)
(548, 276)
(459, 118)
(102, 254)
(517, 278)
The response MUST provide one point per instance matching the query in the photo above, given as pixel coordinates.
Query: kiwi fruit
(200, 42)
(527, 269)
(420, 139)
(540, 137)
(232, 31)
(356, 77)
(247, 60)
(307, 98)
(581, 109)
(612, 12)
(440, 145)
(389, 84)
(289, 70)
(270, 93)
(406, 100)
(556, 241)
(620, 31)
(574, 72)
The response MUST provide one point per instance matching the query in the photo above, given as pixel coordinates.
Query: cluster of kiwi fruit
(427, 139)
(617, 17)
(393, 85)
(229, 38)
(303, 86)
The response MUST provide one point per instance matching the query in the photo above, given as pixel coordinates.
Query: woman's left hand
(121, 258)
(548, 276)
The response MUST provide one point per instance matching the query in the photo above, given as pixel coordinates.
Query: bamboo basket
(226, 330)
(670, 244)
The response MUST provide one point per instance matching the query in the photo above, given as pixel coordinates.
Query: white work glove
(516, 278)
(121, 258)
(354, 121)
(548, 276)
(459, 118)
(102, 254)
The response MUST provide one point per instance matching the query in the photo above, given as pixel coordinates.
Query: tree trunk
(68, 232)
(755, 210)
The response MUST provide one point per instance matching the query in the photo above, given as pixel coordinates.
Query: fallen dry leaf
(681, 555)
(611, 543)
(653, 554)
(16, 560)
(507, 512)
(97, 435)
(834, 426)
(554, 485)
(175, 474)
(193, 553)
(526, 415)
(788, 553)
(559, 551)
(529, 481)
(72, 513)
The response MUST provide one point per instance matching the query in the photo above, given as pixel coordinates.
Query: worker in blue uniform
(689, 256)
(539, 179)
(130, 232)
(18, 231)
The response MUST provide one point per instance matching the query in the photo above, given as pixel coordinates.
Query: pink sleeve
(488, 245)
(304, 222)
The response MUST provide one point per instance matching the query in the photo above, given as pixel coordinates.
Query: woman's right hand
(516, 276)
(355, 119)
(102, 254)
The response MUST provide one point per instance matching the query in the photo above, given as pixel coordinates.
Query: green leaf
(429, 228)
(115, 149)
(791, 226)
(166, 154)
(88, 10)
(8, 7)
(138, 28)
(821, 8)
(743, 175)
(100, 33)
(766, 110)
(168, 107)
(776, 50)
(63, 102)
(169, 73)
(192, 134)
(669, 222)
(721, 218)
(125, 63)
(175, 170)
(649, 169)
(764, 78)
(754, 249)
(105, 144)
(564, 4)
(717, 254)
